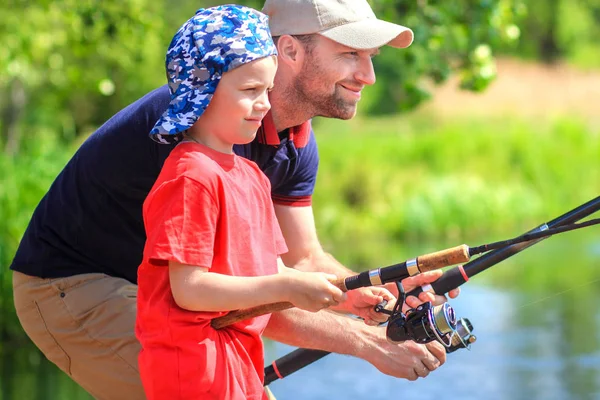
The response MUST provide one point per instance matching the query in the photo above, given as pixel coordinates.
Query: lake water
(517, 355)
(531, 344)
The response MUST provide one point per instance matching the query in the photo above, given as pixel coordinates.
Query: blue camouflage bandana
(212, 42)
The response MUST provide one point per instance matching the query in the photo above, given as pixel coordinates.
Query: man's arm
(304, 250)
(339, 334)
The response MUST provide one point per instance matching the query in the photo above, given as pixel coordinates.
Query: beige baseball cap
(349, 22)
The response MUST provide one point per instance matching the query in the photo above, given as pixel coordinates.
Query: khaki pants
(85, 325)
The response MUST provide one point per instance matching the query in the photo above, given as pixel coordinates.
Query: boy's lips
(253, 119)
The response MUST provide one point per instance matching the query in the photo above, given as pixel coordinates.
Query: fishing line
(558, 294)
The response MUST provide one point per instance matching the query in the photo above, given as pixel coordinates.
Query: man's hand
(362, 302)
(340, 334)
(425, 278)
(407, 360)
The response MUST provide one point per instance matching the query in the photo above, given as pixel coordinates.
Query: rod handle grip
(240, 315)
(443, 258)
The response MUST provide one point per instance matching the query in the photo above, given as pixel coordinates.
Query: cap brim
(370, 34)
(183, 112)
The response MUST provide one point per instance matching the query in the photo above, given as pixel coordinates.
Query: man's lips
(353, 90)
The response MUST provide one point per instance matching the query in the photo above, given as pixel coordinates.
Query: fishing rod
(456, 276)
(400, 271)
(451, 279)
(379, 276)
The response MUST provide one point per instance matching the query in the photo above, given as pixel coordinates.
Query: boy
(212, 236)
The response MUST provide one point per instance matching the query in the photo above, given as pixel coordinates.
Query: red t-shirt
(212, 210)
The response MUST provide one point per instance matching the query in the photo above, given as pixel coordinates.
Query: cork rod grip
(240, 315)
(443, 258)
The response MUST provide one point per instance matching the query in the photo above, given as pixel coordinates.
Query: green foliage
(25, 179)
(69, 65)
(556, 30)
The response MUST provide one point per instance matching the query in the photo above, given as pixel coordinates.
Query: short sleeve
(180, 218)
(297, 190)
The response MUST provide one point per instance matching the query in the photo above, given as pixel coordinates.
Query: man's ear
(290, 52)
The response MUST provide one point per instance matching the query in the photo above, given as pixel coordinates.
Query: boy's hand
(362, 301)
(312, 291)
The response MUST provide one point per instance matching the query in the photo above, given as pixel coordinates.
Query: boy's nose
(263, 103)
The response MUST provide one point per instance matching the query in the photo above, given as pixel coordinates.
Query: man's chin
(346, 114)
(349, 115)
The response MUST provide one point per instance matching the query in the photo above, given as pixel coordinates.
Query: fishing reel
(427, 323)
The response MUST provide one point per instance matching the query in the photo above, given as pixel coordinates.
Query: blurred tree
(68, 65)
(450, 36)
(561, 30)
(543, 27)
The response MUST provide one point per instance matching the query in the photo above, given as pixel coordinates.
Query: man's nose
(366, 72)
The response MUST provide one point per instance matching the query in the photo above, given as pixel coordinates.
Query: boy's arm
(196, 289)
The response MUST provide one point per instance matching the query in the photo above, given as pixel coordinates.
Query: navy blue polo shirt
(91, 218)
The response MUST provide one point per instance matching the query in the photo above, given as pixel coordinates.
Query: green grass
(414, 180)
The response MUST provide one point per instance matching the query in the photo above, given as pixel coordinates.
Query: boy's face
(239, 104)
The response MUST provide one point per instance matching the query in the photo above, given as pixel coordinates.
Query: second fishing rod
(455, 277)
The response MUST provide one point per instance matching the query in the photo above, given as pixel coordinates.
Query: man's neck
(286, 112)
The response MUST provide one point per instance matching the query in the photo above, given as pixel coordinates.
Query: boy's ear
(290, 51)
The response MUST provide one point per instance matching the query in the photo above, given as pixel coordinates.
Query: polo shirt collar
(267, 134)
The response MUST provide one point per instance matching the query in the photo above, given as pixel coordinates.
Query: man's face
(332, 78)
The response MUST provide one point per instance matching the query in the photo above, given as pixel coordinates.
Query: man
(75, 271)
